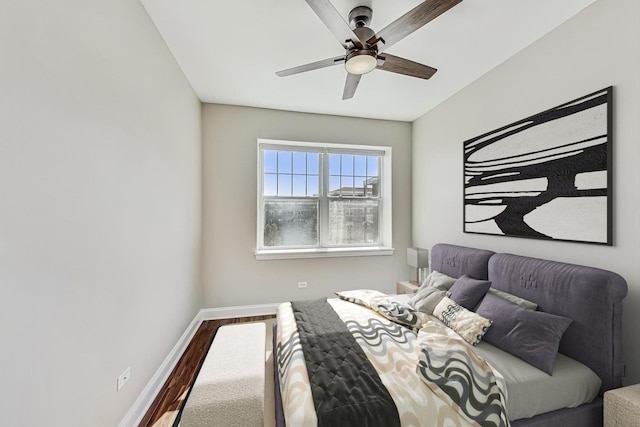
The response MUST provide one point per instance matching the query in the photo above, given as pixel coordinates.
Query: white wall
(99, 208)
(597, 48)
(232, 276)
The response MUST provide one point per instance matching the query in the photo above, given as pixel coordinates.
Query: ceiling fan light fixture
(361, 62)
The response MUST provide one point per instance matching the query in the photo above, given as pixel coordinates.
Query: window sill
(323, 252)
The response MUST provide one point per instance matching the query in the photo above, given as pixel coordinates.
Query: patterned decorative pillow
(364, 297)
(467, 324)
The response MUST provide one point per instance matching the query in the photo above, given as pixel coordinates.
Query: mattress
(529, 391)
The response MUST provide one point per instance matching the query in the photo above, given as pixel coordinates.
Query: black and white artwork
(547, 176)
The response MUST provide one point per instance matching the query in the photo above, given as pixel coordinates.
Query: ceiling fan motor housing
(360, 16)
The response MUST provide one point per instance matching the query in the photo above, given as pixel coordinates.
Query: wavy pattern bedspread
(423, 397)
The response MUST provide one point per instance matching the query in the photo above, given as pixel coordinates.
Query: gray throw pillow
(439, 280)
(468, 292)
(533, 336)
(514, 299)
(427, 298)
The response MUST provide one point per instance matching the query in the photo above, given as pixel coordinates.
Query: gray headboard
(590, 296)
(456, 261)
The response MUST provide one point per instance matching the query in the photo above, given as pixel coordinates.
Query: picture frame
(547, 176)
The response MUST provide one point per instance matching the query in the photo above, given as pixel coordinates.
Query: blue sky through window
(291, 173)
(297, 173)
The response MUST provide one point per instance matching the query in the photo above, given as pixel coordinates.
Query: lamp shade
(418, 257)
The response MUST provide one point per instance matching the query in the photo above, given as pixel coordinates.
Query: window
(323, 200)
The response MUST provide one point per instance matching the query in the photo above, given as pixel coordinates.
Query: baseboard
(146, 398)
(239, 311)
(143, 403)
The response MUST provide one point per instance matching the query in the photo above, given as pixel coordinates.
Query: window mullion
(323, 213)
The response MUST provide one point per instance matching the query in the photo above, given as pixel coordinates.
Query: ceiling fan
(363, 47)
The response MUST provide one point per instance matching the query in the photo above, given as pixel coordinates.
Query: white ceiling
(230, 51)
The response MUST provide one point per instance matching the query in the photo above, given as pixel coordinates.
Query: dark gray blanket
(346, 388)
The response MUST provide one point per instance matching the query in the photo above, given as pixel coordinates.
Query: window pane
(270, 184)
(312, 186)
(373, 187)
(313, 163)
(284, 161)
(353, 222)
(372, 165)
(346, 187)
(334, 164)
(334, 185)
(359, 186)
(270, 161)
(291, 223)
(299, 162)
(284, 185)
(347, 164)
(361, 165)
(299, 185)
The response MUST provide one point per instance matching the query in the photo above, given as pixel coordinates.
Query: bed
(404, 377)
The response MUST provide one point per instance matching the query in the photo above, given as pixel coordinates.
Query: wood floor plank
(170, 400)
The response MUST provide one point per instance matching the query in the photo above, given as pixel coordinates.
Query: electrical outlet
(302, 285)
(124, 377)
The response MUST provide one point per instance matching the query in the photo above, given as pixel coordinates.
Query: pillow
(514, 299)
(365, 297)
(468, 292)
(426, 299)
(438, 280)
(469, 325)
(533, 336)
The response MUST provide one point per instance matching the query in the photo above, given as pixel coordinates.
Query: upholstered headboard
(590, 296)
(456, 261)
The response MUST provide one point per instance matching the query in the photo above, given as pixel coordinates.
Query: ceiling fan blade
(351, 85)
(311, 66)
(336, 24)
(411, 21)
(395, 64)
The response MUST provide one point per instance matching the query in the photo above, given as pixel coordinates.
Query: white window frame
(385, 213)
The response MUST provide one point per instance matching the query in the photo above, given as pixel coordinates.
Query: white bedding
(529, 390)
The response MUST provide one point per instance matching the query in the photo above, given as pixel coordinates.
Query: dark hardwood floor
(169, 402)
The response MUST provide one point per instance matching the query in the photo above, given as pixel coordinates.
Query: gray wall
(231, 274)
(99, 209)
(595, 49)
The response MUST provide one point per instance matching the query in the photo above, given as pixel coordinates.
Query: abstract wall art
(547, 176)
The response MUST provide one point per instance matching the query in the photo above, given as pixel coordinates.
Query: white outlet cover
(124, 377)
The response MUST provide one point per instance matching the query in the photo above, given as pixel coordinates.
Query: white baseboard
(239, 311)
(135, 414)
